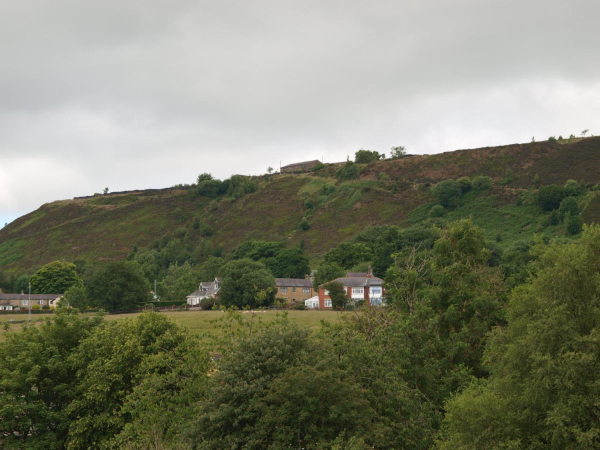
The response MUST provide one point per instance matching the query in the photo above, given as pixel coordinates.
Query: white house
(207, 289)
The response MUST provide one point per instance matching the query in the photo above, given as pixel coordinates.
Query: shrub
(549, 197)
(508, 177)
(574, 224)
(309, 204)
(35, 307)
(366, 156)
(551, 139)
(318, 166)
(210, 188)
(397, 152)
(208, 303)
(568, 206)
(206, 230)
(465, 184)
(572, 188)
(383, 176)
(328, 189)
(348, 171)
(304, 225)
(299, 306)
(196, 222)
(45, 307)
(437, 211)
(482, 183)
(448, 193)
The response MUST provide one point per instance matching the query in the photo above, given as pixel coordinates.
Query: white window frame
(306, 290)
(328, 303)
(25, 302)
(283, 290)
(376, 292)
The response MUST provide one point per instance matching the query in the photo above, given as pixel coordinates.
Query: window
(41, 302)
(358, 291)
(283, 290)
(306, 290)
(293, 289)
(25, 302)
(327, 303)
(326, 292)
(376, 292)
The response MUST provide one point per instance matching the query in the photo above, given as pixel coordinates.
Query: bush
(568, 206)
(318, 166)
(549, 197)
(482, 183)
(299, 306)
(448, 193)
(348, 171)
(572, 188)
(383, 176)
(465, 184)
(161, 304)
(35, 307)
(437, 211)
(304, 225)
(574, 224)
(309, 204)
(208, 303)
(206, 230)
(366, 156)
(508, 177)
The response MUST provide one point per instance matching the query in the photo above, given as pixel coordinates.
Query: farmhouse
(294, 289)
(207, 289)
(358, 287)
(10, 302)
(300, 167)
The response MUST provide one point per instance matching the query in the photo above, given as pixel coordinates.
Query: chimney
(369, 271)
(22, 293)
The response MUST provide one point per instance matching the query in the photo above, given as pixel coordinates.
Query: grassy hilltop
(103, 228)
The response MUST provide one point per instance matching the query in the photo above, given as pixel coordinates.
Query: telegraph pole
(29, 302)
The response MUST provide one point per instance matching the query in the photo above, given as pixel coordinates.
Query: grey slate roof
(293, 282)
(356, 275)
(360, 282)
(33, 296)
(316, 161)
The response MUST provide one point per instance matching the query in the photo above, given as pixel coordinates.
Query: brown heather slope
(104, 228)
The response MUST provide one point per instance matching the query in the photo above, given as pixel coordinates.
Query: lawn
(202, 321)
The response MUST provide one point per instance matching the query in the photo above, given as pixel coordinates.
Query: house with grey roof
(294, 289)
(358, 287)
(304, 166)
(206, 289)
(13, 302)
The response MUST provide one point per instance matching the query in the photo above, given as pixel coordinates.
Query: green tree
(337, 293)
(366, 156)
(120, 285)
(348, 254)
(76, 297)
(543, 392)
(482, 183)
(568, 205)
(549, 197)
(398, 152)
(574, 223)
(204, 177)
(178, 282)
(290, 263)
(348, 171)
(572, 188)
(327, 272)
(38, 381)
(246, 283)
(465, 184)
(55, 278)
(448, 193)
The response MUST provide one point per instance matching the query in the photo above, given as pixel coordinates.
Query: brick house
(294, 289)
(358, 286)
(11, 302)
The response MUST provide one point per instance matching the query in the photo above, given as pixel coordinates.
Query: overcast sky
(148, 94)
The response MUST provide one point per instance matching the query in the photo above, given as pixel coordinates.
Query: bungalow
(294, 289)
(11, 302)
(358, 287)
(206, 289)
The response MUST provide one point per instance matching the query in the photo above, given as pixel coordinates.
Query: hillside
(103, 228)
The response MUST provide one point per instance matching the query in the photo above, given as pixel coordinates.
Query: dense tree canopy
(121, 285)
(55, 278)
(246, 283)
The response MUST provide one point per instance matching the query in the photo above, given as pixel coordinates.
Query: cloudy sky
(147, 94)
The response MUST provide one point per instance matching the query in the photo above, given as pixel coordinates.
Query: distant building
(11, 302)
(358, 286)
(300, 167)
(206, 289)
(294, 289)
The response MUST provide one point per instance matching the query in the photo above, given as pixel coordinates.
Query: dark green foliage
(572, 188)
(204, 177)
(289, 263)
(465, 184)
(76, 297)
(544, 389)
(348, 254)
(568, 206)
(246, 283)
(574, 224)
(509, 177)
(206, 230)
(119, 286)
(348, 171)
(482, 183)
(240, 186)
(211, 188)
(514, 263)
(327, 272)
(178, 282)
(317, 167)
(39, 381)
(337, 293)
(209, 303)
(304, 225)
(366, 156)
(388, 243)
(549, 197)
(448, 193)
(55, 278)
(436, 211)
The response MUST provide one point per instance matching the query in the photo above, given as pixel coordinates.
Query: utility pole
(29, 302)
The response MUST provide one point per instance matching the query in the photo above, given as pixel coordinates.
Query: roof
(316, 161)
(356, 275)
(33, 296)
(206, 289)
(360, 282)
(293, 282)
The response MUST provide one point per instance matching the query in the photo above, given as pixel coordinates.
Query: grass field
(202, 321)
